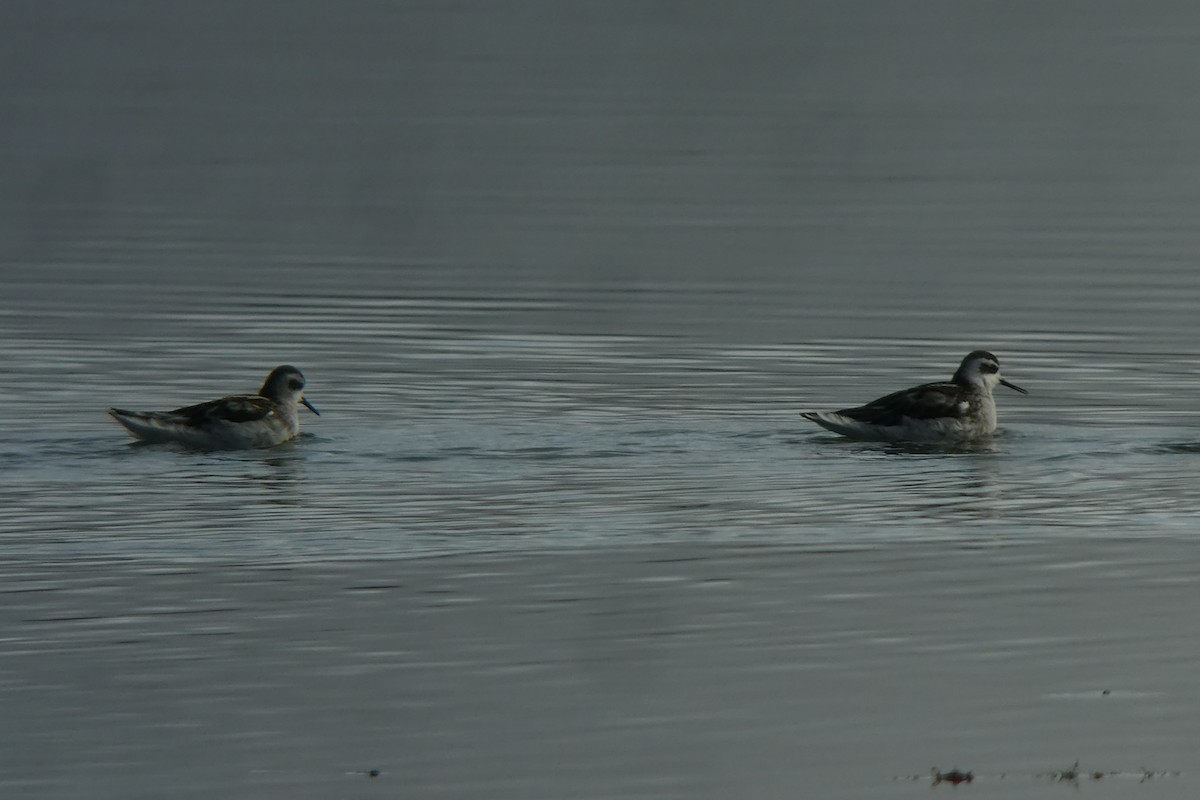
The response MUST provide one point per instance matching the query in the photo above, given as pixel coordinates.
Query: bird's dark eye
(989, 366)
(295, 385)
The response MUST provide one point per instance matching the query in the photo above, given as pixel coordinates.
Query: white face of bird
(983, 368)
(286, 384)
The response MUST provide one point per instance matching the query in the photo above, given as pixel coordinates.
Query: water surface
(561, 281)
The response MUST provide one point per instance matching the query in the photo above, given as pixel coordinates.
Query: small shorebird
(956, 410)
(239, 421)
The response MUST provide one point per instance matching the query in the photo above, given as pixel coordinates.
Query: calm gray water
(561, 277)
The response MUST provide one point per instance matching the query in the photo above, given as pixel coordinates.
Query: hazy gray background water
(561, 277)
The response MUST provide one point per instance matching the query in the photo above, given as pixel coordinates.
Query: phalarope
(239, 421)
(956, 410)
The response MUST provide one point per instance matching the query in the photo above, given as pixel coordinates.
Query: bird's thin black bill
(1003, 382)
(313, 408)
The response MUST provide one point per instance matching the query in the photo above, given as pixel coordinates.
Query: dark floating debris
(954, 776)
(1068, 775)
(1072, 775)
(372, 773)
(1149, 774)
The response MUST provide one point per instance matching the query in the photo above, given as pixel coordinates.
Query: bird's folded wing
(929, 401)
(246, 408)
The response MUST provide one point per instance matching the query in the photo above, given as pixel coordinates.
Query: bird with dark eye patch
(957, 410)
(239, 421)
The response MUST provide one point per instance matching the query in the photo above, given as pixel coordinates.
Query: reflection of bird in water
(239, 421)
(957, 410)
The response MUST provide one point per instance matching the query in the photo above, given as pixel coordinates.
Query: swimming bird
(956, 410)
(238, 421)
